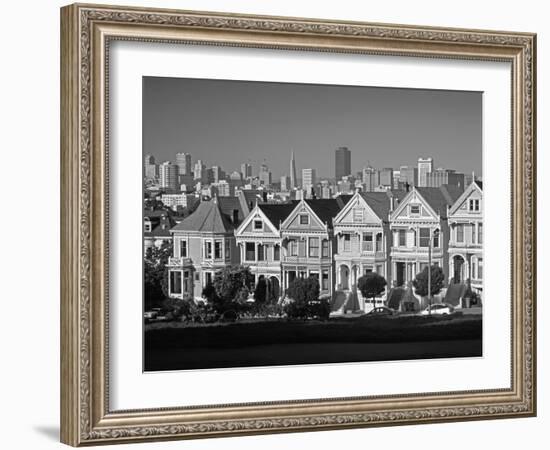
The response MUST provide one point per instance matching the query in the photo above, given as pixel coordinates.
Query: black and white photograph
(288, 224)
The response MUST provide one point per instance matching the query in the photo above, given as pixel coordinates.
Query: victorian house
(466, 238)
(259, 243)
(308, 242)
(420, 230)
(203, 243)
(363, 237)
(156, 228)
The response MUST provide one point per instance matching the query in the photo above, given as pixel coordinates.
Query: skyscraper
(445, 176)
(342, 164)
(285, 183)
(293, 181)
(308, 180)
(246, 170)
(265, 175)
(408, 175)
(371, 178)
(150, 168)
(198, 170)
(168, 174)
(425, 166)
(386, 177)
(183, 160)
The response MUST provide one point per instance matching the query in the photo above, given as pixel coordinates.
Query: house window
(301, 248)
(436, 240)
(276, 252)
(258, 225)
(424, 237)
(183, 249)
(261, 252)
(208, 250)
(324, 280)
(358, 215)
(473, 233)
(402, 236)
(414, 210)
(460, 233)
(325, 248)
(250, 251)
(474, 204)
(186, 278)
(304, 219)
(293, 247)
(207, 278)
(147, 226)
(367, 242)
(379, 269)
(314, 247)
(480, 233)
(347, 242)
(175, 282)
(379, 242)
(218, 250)
(227, 249)
(480, 268)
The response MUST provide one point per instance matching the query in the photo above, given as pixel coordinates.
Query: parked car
(438, 308)
(150, 315)
(381, 311)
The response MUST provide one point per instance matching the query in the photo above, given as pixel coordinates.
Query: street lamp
(433, 234)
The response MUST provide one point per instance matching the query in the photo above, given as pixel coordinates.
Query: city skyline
(257, 123)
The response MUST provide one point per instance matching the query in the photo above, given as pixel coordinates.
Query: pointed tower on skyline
(292, 170)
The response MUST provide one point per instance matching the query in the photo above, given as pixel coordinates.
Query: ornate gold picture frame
(87, 31)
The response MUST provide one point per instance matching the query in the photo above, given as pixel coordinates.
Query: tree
(370, 285)
(420, 282)
(155, 274)
(231, 288)
(303, 292)
(260, 291)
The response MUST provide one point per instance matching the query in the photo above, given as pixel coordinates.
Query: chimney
(264, 196)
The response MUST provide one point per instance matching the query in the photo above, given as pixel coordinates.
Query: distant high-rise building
(408, 175)
(285, 183)
(265, 175)
(326, 189)
(198, 170)
(445, 176)
(425, 166)
(386, 177)
(150, 168)
(168, 175)
(293, 181)
(308, 180)
(342, 163)
(246, 170)
(225, 189)
(371, 178)
(218, 174)
(183, 160)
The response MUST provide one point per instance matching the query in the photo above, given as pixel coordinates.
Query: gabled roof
(379, 202)
(441, 197)
(208, 217)
(277, 212)
(476, 185)
(228, 205)
(326, 209)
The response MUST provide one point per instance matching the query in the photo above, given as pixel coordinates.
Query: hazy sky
(229, 122)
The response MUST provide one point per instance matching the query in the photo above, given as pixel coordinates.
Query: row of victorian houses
(393, 233)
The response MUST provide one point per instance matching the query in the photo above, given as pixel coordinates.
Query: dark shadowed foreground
(175, 346)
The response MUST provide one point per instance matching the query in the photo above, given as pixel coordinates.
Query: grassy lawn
(176, 345)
